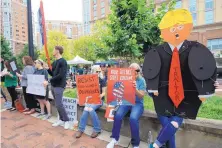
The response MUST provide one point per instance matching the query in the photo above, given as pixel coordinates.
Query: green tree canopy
(134, 27)
(6, 52)
(56, 38)
(25, 52)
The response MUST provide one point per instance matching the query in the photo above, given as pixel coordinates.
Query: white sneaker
(66, 126)
(112, 143)
(135, 147)
(58, 123)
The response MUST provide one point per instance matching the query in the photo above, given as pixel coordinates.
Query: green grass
(71, 93)
(211, 108)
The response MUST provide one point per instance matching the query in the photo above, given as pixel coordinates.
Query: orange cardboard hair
(176, 26)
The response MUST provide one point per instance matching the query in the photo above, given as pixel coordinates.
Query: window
(209, 14)
(95, 13)
(5, 4)
(178, 4)
(94, 1)
(193, 10)
(103, 12)
(95, 7)
(214, 44)
(208, 5)
(102, 4)
(209, 17)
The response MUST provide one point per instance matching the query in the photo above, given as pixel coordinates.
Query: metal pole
(30, 31)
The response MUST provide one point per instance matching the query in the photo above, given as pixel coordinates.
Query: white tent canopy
(79, 60)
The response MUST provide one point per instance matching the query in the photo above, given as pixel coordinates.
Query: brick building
(71, 29)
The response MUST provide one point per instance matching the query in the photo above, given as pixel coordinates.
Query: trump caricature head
(176, 26)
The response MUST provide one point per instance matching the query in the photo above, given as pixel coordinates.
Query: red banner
(43, 32)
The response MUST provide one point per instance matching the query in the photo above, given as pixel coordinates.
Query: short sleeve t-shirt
(141, 85)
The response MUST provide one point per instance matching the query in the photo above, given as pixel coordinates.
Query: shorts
(40, 97)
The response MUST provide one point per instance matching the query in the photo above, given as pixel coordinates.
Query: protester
(135, 114)
(80, 70)
(30, 101)
(10, 84)
(90, 109)
(58, 84)
(7, 104)
(43, 100)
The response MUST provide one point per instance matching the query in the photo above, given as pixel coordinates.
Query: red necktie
(176, 91)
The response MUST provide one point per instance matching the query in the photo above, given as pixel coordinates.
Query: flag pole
(44, 35)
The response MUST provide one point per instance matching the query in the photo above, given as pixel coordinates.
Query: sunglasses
(98, 71)
(137, 70)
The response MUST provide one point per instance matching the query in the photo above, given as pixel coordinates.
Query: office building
(14, 23)
(86, 16)
(71, 29)
(207, 21)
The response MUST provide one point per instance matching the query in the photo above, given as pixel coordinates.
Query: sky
(70, 10)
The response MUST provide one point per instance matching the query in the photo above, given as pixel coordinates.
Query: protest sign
(13, 65)
(110, 113)
(88, 89)
(35, 85)
(120, 86)
(70, 105)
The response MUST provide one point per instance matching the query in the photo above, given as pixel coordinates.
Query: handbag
(18, 105)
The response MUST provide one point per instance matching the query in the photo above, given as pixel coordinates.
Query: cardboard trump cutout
(179, 72)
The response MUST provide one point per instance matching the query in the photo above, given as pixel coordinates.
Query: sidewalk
(22, 131)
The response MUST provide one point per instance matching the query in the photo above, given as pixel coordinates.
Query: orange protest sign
(110, 113)
(120, 86)
(88, 89)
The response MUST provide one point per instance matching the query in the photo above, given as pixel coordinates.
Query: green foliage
(25, 52)
(6, 52)
(134, 26)
(56, 38)
(71, 93)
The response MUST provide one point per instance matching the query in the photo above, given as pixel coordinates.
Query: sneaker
(7, 105)
(13, 109)
(40, 115)
(58, 123)
(47, 117)
(66, 126)
(112, 143)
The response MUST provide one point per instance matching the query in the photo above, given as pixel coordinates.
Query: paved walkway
(22, 131)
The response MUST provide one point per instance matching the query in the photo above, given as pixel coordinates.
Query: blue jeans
(168, 131)
(136, 112)
(94, 116)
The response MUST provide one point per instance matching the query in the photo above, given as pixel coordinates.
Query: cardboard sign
(120, 86)
(110, 113)
(70, 105)
(35, 85)
(88, 89)
(13, 65)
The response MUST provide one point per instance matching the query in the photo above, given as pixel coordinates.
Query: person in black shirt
(58, 83)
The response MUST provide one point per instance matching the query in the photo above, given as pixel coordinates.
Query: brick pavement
(22, 131)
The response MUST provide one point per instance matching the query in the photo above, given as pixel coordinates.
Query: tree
(56, 38)
(134, 27)
(25, 52)
(100, 32)
(6, 52)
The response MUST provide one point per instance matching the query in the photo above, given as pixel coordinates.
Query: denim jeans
(94, 117)
(168, 131)
(136, 112)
